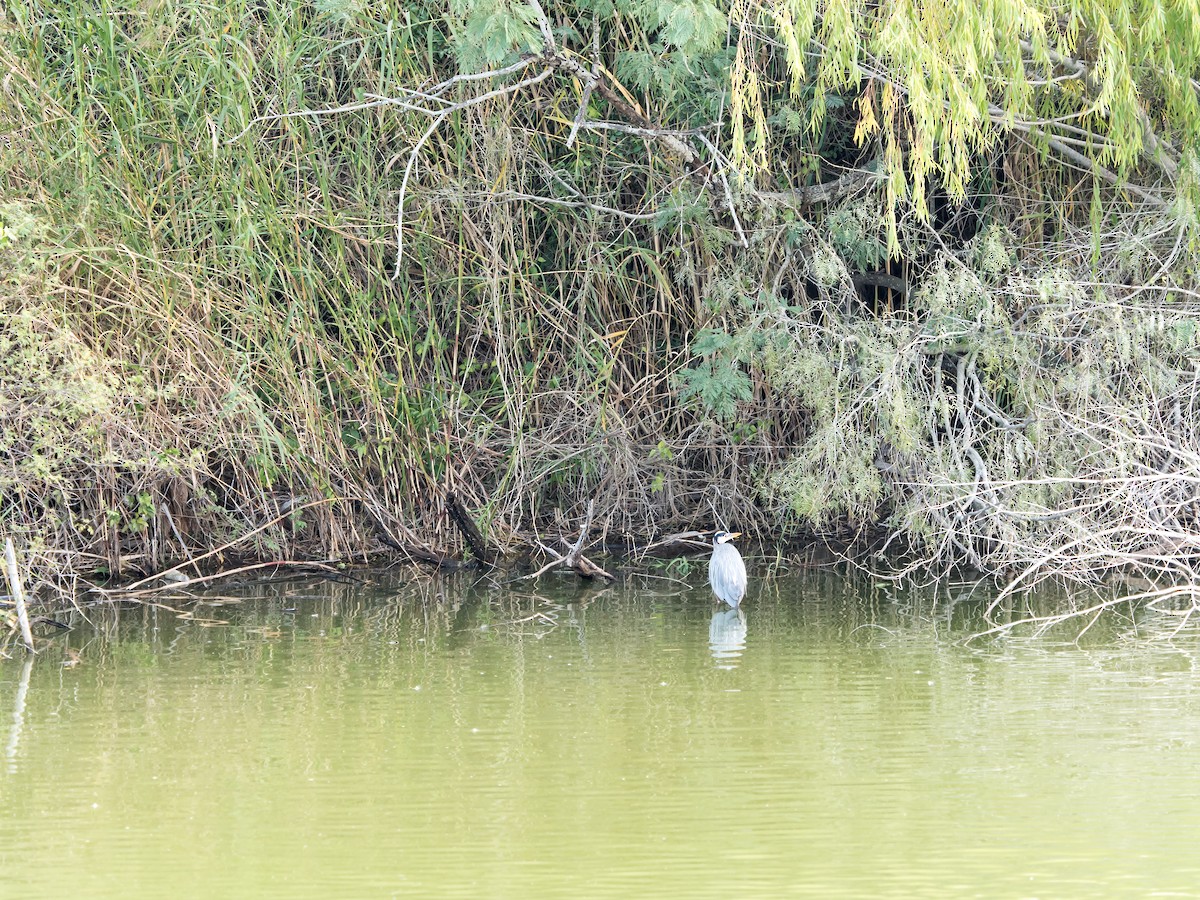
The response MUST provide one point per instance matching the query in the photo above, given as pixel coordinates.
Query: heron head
(724, 537)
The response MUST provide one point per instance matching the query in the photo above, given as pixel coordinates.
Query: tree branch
(1096, 169)
(1156, 149)
(851, 182)
(880, 279)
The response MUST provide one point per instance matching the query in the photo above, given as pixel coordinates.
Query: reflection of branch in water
(872, 625)
(549, 619)
(543, 618)
(18, 717)
(678, 581)
(577, 619)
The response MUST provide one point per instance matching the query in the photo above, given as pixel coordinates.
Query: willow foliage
(1110, 84)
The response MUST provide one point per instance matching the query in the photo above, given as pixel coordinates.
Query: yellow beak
(734, 534)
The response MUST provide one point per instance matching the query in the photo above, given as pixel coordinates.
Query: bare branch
(849, 183)
(737, 224)
(1108, 175)
(1157, 149)
(405, 101)
(558, 201)
(627, 111)
(589, 86)
(544, 25)
(441, 117)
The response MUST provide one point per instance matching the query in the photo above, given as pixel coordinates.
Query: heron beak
(734, 534)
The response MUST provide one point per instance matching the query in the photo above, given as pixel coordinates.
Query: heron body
(726, 571)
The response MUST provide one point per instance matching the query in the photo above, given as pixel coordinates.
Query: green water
(416, 740)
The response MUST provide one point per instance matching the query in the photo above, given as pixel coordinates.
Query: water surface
(457, 739)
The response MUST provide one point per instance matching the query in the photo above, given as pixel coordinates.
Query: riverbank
(214, 337)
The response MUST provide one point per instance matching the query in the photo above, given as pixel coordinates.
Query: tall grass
(226, 286)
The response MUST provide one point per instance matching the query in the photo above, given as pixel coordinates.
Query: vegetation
(812, 267)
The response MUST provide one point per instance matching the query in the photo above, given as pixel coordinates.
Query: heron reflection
(727, 636)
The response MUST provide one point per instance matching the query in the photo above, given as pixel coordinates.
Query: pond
(463, 738)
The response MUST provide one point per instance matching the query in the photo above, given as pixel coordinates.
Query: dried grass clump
(123, 440)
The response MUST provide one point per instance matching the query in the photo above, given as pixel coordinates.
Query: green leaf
(719, 388)
(694, 28)
(709, 341)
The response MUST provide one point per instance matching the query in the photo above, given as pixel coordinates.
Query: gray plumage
(726, 571)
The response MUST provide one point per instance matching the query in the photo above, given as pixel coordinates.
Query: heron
(726, 571)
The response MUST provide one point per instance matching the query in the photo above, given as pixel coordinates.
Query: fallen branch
(675, 544)
(18, 593)
(420, 553)
(470, 531)
(574, 558)
(192, 561)
(866, 280)
(827, 191)
(175, 585)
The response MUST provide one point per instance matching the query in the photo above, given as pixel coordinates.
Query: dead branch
(469, 530)
(419, 552)
(574, 559)
(893, 283)
(676, 544)
(589, 85)
(441, 116)
(17, 589)
(644, 126)
(1091, 165)
(291, 512)
(1157, 149)
(174, 585)
(833, 191)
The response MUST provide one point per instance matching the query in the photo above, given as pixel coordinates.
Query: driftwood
(574, 558)
(470, 531)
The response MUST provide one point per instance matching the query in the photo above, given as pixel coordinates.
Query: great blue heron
(726, 571)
